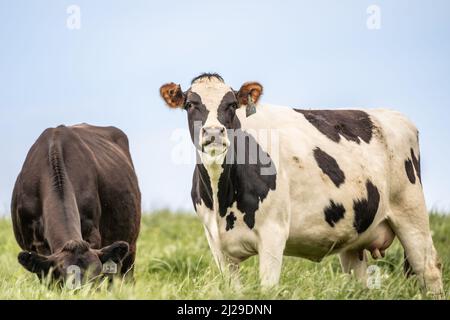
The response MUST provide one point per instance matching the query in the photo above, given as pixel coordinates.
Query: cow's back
(95, 165)
(335, 173)
(402, 147)
(109, 186)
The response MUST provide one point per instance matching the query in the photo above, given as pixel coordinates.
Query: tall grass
(174, 262)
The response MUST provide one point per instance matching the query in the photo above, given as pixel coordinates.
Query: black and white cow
(318, 182)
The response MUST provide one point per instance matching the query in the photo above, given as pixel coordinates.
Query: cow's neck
(222, 188)
(61, 220)
(246, 183)
(221, 178)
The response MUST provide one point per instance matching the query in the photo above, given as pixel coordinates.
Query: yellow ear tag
(109, 267)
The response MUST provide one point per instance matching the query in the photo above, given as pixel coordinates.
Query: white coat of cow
(344, 181)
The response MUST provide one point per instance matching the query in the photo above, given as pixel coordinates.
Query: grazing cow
(336, 181)
(76, 202)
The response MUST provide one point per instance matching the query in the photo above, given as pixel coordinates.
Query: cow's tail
(414, 158)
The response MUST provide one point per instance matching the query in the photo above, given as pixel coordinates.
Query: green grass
(174, 262)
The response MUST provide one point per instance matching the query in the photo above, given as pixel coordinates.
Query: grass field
(174, 262)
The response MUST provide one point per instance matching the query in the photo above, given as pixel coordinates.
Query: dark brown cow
(77, 202)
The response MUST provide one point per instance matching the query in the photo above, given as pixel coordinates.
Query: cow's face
(211, 107)
(75, 256)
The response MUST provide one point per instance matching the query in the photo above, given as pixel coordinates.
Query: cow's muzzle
(214, 140)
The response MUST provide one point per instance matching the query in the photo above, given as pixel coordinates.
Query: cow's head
(211, 107)
(76, 254)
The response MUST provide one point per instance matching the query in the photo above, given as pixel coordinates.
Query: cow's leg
(271, 249)
(411, 224)
(355, 262)
(228, 267)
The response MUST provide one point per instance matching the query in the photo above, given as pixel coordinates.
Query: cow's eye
(233, 105)
(190, 105)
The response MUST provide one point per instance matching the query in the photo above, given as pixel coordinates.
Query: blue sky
(311, 54)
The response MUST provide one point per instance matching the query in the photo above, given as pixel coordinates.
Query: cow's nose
(213, 130)
(213, 135)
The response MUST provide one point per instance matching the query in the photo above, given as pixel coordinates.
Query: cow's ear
(248, 90)
(34, 262)
(115, 252)
(172, 95)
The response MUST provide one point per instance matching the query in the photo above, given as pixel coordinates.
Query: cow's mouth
(214, 148)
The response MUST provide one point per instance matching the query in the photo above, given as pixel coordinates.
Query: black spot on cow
(197, 113)
(244, 183)
(329, 166)
(201, 187)
(353, 125)
(416, 163)
(231, 218)
(333, 213)
(227, 193)
(226, 112)
(246, 178)
(410, 171)
(366, 209)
